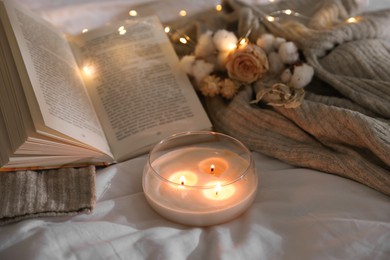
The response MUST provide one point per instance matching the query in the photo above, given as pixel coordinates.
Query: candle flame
(167, 29)
(212, 168)
(218, 8)
(182, 180)
(217, 188)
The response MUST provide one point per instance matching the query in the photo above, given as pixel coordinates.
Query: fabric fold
(342, 126)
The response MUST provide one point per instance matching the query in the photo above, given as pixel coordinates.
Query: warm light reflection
(88, 70)
(243, 42)
(352, 20)
(121, 30)
(183, 13)
(217, 188)
(183, 40)
(219, 192)
(218, 8)
(133, 13)
(270, 18)
(231, 46)
(167, 29)
(183, 179)
(287, 11)
(84, 30)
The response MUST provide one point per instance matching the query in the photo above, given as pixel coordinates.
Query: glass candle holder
(200, 178)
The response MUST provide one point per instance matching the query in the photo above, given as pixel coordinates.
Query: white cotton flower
(205, 45)
(278, 41)
(228, 88)
(303, 73)
(275, 63)
(225, 40)
(201, 69)
(222, 58)
(186, 63)
(288, 52)
(266, 42)
(286, 76)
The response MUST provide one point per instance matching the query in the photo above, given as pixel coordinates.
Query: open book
(98, 97)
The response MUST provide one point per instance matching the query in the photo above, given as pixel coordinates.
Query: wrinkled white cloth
(297, 214)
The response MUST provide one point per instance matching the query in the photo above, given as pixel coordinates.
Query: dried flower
(228, 88)
(281, 95)
(210, 86)
(247, 64)
(272, 64)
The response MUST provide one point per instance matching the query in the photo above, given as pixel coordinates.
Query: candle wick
(182, 183)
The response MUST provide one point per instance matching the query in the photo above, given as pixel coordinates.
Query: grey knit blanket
(343, 125)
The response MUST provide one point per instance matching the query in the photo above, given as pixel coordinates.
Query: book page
(59, 103)
(139, 92)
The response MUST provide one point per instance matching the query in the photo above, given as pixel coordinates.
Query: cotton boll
(201, 69)
(302, 75)
(186, 63)
(205, 45)
(266, 42)
(288, 52)
(286, 75)
(278, 41)
(225, 40)
(221, 60)
(275, 63)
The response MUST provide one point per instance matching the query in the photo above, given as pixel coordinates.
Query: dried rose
(281, 95)
(247, 64)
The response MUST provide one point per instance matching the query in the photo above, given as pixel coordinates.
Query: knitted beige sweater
(343, 125)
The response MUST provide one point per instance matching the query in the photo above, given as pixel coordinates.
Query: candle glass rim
(240, 177)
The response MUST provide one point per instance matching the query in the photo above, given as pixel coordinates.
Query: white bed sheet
(297, 214)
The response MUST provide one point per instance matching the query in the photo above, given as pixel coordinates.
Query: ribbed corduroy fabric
(343, 125)
(60, 192)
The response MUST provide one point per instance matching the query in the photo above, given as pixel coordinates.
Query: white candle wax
(200, 185)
